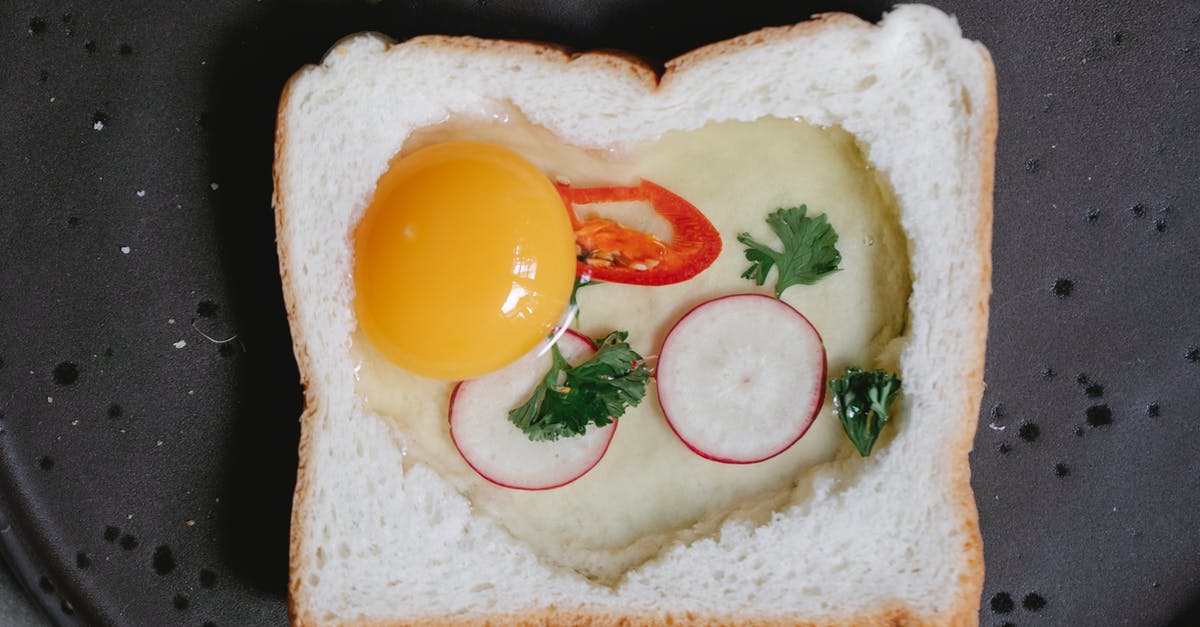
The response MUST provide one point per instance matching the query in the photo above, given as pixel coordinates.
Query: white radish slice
(502, 453)
(741, 378)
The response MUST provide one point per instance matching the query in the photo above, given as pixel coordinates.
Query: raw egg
(464, 260)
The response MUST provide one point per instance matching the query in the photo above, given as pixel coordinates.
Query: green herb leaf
(580, 283)
(809, 250)
(569, 398)
(862, 400)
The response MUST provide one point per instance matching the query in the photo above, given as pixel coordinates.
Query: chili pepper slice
(609, 251)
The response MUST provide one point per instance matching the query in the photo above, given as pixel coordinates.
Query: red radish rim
(812, 417)
(603, 451)
(577, 335)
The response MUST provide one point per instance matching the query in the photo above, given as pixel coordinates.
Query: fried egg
(463, 261)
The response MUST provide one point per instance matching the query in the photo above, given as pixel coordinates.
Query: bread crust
(896, 615)
(296, 559)
(762, 36)
(964, 610)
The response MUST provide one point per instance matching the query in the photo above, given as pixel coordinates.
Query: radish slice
(741, 378)
(502, 453)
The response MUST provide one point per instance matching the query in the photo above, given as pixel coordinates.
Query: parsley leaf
(580, 283)
(862, 400)
(809, 250)
(594, 392)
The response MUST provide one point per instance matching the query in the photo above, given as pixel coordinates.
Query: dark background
(146, 484)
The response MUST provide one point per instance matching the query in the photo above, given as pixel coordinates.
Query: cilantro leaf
(861, 400)
(569, 398)
(809, 250)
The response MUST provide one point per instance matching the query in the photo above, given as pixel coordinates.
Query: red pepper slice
(610, 251)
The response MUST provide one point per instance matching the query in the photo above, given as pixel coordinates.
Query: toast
(885, 540)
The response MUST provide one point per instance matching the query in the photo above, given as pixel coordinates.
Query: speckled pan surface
(148, 397)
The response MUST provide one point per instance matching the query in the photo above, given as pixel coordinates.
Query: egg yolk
(464, 260)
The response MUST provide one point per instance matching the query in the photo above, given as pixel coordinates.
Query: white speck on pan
(180, 344)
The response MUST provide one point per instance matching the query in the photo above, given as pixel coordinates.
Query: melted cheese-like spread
(649, 491)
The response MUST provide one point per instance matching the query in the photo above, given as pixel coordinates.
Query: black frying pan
(154, 488)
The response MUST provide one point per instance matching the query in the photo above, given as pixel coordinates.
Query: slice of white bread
(887, 540)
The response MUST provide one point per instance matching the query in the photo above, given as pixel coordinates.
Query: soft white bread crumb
(889, 539)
